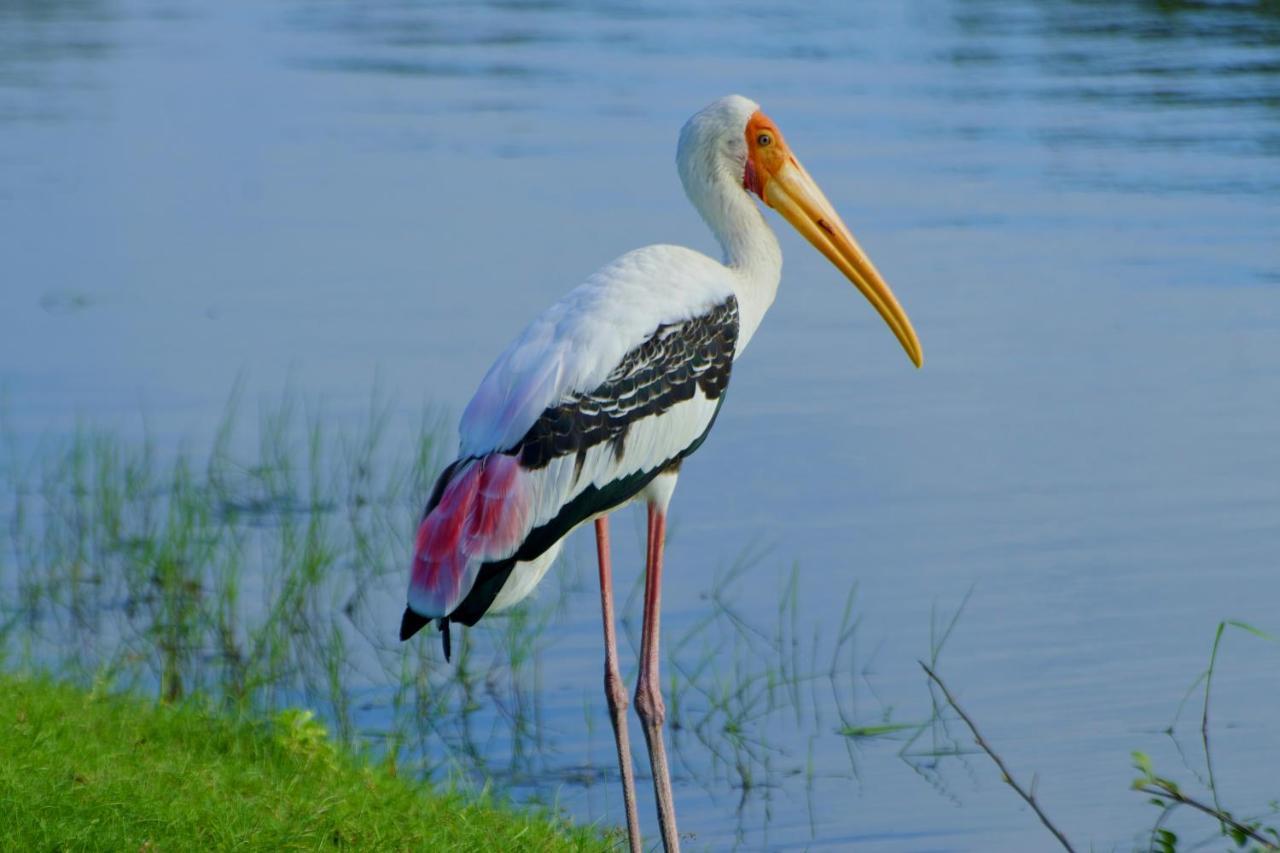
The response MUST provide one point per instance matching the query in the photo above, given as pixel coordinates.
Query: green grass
(263, 568)
(84, 770)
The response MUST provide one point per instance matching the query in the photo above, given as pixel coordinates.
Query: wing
(594, 451)
(586, 450)
(574, 346)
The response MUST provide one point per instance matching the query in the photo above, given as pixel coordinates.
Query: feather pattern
(601, 396)
(589, 448)
(573, 346)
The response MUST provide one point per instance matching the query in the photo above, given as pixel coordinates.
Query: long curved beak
(792, 193)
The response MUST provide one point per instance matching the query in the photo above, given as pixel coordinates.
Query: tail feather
(411, 623)
(482, 516)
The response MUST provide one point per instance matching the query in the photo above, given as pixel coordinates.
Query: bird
(601, 398)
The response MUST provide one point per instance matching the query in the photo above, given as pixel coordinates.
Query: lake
(1078, 203)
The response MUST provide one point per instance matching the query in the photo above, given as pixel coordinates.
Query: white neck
(751, 252)
(713, 181)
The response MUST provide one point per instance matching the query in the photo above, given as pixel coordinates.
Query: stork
(603, 396)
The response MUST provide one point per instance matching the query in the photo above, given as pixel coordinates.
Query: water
(1075, 201)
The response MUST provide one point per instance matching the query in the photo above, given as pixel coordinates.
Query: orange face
(767, 152)
(774, 174)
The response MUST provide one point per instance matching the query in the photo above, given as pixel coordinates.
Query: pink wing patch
(483, 515)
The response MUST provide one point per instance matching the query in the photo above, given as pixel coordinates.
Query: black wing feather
(670, 366)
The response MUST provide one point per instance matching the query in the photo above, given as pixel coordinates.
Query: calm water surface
(1077, 202)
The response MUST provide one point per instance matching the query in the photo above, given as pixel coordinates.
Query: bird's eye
(764, 139)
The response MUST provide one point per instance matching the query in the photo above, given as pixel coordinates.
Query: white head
(730, 150)
(713, 144)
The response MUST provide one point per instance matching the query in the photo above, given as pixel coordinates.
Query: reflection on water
(261, 583)
(1077, 202)
(48, 52)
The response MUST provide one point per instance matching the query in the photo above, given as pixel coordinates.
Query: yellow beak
(790, 191)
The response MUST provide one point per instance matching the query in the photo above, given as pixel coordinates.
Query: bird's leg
(615, 691)
(649, 704)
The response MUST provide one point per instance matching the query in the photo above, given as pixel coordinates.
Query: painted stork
(603, 396)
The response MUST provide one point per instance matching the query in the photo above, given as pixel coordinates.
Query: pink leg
(649, 704)
(614, 690)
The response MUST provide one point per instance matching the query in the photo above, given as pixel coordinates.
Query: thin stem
(1004, 771)
(1204, 717)
(1182, 799)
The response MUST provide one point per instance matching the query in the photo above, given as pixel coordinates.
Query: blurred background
(1077, 202)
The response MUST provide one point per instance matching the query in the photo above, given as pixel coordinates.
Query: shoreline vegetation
(257, 571)
(96, 770)
(188, 602)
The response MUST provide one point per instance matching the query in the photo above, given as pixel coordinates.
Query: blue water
(1077, 202)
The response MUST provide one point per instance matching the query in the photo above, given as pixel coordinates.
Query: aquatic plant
(266, 571)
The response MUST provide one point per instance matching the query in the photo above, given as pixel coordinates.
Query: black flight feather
(411, 623)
